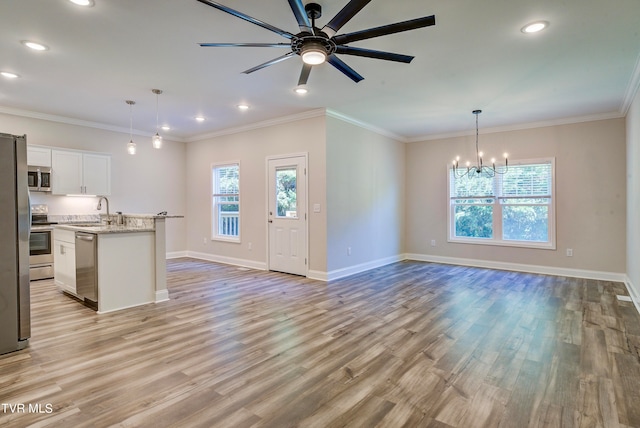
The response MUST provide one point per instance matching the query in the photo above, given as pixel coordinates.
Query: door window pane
(286, 192)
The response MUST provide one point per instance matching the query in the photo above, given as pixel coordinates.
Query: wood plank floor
(408, 345)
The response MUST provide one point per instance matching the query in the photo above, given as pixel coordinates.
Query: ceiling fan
(317, 45)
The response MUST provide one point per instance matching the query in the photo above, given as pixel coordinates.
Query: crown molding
(71, 121)
(356, 122)
(522, 126)
(258, 125)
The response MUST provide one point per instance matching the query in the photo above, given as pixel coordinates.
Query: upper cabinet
(38, 156)
(80, 173)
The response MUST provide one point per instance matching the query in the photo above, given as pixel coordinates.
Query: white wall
(590, 190)
(633, 196)
(149, 182)
(251, 148)
(365, 198)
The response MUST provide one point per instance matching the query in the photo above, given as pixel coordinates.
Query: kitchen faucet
(99, 207)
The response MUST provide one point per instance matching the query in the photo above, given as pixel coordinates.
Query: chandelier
(479, 168)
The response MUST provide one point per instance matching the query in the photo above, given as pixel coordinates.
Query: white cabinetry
(64, 259)
(38, 156)
(80, 173)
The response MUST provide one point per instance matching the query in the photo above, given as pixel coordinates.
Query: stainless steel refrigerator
(15, 311)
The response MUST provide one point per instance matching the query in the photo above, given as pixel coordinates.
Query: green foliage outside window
(286, 192)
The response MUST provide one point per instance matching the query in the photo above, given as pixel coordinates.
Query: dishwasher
(87, 268)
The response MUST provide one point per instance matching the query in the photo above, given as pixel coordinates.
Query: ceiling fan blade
(268, 63)
(344, 68)
(304, 74)
(301, 15)
(248, 45)
(388, 56)
(247, 18)
(398, 27)
(342, 17)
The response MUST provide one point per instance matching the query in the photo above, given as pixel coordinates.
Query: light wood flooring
(408, 345)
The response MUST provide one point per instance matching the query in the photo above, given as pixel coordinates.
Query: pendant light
(131, 146)
(157, 139)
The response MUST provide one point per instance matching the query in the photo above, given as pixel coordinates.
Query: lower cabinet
(64, 260)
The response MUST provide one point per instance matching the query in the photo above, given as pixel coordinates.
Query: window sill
(226, 239)
(494, 242)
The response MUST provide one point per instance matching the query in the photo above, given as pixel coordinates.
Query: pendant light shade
(131, 146)
(157, 139)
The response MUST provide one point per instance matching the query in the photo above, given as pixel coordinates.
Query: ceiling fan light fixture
(313, 53)
(534, 27)
(301, 90)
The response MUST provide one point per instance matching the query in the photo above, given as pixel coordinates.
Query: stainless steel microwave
(39, 178)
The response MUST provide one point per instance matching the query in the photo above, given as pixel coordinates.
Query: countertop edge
(104, 229)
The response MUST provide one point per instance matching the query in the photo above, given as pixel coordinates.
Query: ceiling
(584, 65)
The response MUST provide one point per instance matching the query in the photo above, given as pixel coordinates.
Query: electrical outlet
(204, 240)
(569, 252)
(433, 242)
(348, 251)
(249, 246)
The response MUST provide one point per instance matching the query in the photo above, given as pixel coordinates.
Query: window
(226, 202)
(515, 208)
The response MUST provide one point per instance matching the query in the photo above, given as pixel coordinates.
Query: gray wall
(365, 197)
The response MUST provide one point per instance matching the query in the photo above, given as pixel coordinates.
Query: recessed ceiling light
(200, 118)
(35, 46)
(9, 75)
(535, 27)
(166, 128)
(82, 2)
(301, 89)
(243, 107)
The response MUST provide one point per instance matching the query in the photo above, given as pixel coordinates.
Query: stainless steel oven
(41, 252)
(40, 244)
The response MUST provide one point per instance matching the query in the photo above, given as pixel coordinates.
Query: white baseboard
(635, 297)
(162, 296)
(318, 275)
(177, 254)
(518, 267)
(227, 260)
(362, 267)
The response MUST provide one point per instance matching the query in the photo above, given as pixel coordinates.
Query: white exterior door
(287, 216)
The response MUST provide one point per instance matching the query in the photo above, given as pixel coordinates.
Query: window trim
(212, 215)
(497, 214)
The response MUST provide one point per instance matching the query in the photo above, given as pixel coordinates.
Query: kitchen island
(130, 261)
